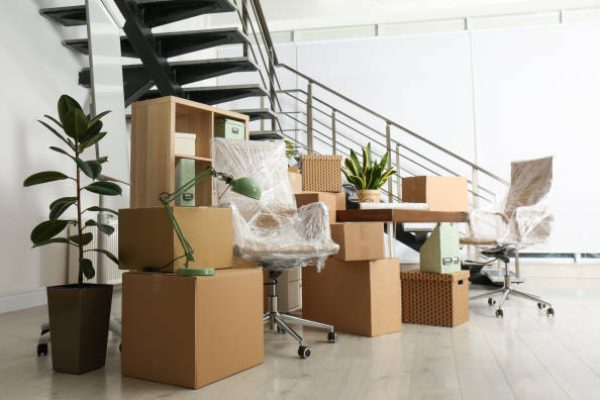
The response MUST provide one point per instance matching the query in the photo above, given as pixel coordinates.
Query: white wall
(36, 68)
(528, 92)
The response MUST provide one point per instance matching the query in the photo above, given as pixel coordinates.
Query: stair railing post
(333, 133)
(245, 18)
(475, 187)
(309, 118)
(272, 93)
(388, 147)
(398, 178)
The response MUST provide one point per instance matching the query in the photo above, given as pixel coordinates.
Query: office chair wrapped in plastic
(271, 231)
(522, 220)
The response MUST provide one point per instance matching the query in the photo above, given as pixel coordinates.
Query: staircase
(314, 116)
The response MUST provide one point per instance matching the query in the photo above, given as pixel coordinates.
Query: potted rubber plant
(79, 313)
(367, 176)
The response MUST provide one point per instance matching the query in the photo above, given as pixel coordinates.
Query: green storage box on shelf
(230, 129)
(185, 171)
(440, 254)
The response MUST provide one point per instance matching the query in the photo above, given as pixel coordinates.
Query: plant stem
(79, 226)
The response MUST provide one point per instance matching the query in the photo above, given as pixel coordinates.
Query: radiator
(106, 270)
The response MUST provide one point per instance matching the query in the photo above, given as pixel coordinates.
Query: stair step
(156, 12)
(185, 72)
(265, 135)
(257, 113)
(215, 94)
(173, 44)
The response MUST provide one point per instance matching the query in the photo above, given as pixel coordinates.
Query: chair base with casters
(502, 254)
(280, 322)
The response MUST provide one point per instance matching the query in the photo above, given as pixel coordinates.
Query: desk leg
(391, 233)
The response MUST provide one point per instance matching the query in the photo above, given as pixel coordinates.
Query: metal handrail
(391, 122)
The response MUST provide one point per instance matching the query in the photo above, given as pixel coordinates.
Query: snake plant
(368, 175)
(79, 132)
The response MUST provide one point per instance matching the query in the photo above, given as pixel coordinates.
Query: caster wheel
(541, 306)
(550, 311)
(331, 337)
(120, 347)
(499, 313)
(491, 301)
(44, 331)
(42, 349)
(303, 352)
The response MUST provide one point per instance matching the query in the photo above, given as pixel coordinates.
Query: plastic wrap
(271, 231)
(524, 217)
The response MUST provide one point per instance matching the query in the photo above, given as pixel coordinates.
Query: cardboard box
(321, 173)
(435, 299)
(329, 199)
(359, 241)
(359, 297)
(441, 193)
(295, 179)
(191, 331)
(147, 238)
(340, 201)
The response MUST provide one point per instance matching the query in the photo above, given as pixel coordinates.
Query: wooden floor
(524, 356)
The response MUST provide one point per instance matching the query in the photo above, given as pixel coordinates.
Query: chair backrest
(531, 181)
(265, 162)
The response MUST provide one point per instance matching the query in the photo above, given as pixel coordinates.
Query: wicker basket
(321, 173)
(435, 299)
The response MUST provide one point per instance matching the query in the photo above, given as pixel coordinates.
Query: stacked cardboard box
(185, 330)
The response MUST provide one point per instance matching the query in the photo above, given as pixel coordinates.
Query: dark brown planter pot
(79, 317)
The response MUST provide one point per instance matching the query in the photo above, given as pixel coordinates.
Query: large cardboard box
(435, 299)
(441, 193)
(191, 331)
(359, 297)
(329, 199)
(147, 238)
(359, 241)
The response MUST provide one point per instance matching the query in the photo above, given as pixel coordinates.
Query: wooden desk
(400, 216)
(393, 216)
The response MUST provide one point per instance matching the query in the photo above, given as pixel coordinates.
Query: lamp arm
(167, 198)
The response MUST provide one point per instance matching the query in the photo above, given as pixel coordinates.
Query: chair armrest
(487, 224)
(314, 221)
(533, 223)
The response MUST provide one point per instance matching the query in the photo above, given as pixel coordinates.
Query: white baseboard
(28, 298)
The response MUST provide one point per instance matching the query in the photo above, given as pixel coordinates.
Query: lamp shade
(246, 187)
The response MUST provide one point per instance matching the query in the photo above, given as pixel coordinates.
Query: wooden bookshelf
(153, 157)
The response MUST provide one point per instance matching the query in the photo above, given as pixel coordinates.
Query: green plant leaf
(386, 175)
(97, 118)
(61, 151)
(44, 177)
(96, 209)
(47, 230)
(107, 254)
(92, 130)
(57, 208)
(104, 228)
(87, 268)
(384, 160)
(57, 134)
(53, 240)
(91, 141)
(65, 104)
(366, 151)
(351, 166)
(85, 238)
(104, 188)
(102, 160)
(75, 124)
(51, 118)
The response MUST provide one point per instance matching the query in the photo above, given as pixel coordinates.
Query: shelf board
(188, 157)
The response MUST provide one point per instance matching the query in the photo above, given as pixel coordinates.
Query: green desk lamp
(244, 186)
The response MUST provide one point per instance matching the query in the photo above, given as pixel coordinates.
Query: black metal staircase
(156, 75)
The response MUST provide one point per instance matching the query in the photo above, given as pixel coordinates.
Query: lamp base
(196, 271)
